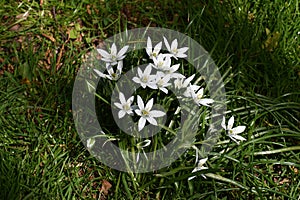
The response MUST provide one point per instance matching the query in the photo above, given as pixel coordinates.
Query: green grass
(42, 156)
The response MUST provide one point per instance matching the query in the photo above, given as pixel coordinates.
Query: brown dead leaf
(15, 27)
(88, 9)
(49, 37)
(285, 180)
(105, 187)
(23, 15)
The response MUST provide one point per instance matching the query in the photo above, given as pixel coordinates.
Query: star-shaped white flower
(171, 70)
(199, 167)
(145, 78)
(124, 106)
(140, 146)
(114, 56)
(112, 75)
(162, 62)
(233, 132)
(176, 53)
(198, 98)
(162, 81)
(146, 113)
(181, 83)
(153, 53)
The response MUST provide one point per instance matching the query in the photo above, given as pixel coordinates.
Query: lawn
(43, 44)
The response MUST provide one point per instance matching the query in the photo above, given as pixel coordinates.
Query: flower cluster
(160, 74)
(111, 59)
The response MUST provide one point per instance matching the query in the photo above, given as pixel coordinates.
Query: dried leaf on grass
(105, 186)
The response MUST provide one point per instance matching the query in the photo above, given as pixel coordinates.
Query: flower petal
(230, 123)
(238, 137)
(121, 114)
(122, 51)
(140, 102)
(122, 98)
(157, 47)
(167, 44)
(113, 49)
(152, 121)
(103, 53)
(99, 73)
(149, 104)
(141, 123)
(157, 113)
(202, 161)
(174, 44)
(223, 124)
(118, 105)
(238, 129)
(148, 70)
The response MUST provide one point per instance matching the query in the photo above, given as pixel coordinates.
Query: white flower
(146, 113)
(233, 132)
(199, 167)
(171, 70)
(162, 62)
(141, 147)
(176, 53)
(162, 81)
(182, 82)
(198, 98)
(124, 106)
(113, 57)
(112, 75)
(153, 53)
(145, 78)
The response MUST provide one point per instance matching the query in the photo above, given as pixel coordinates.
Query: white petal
(118, 105)
(113, 49)
(200, 92)
(182, 50)
(149, 43)
(103, 53)
(130, 100)
(238, 129)
(122, 98)
(223, 124)
(175, 67)
(120, 66)
(149, 104)
(167, 44)
(230, 123)
(152, 121)
(140, 102)
(202, 161)
(157, 113)
(152, 85)
(205, 102)
(99, 73)
(138, 112)
(188, 80)
(136, 79)
(148, 70)
(121, 114)
(141, 123)
(122, 51)
(174, 44)
(157, 47)
(238, 137)
(165, 90)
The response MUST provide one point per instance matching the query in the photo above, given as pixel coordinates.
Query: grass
(41, 153)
